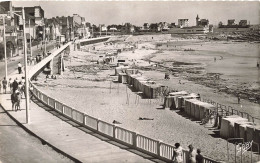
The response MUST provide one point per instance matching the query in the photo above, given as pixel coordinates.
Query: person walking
(13, 100)
(0, 87)
(4, 82)
(19, 68)
(191, 154)
(177, 154)
(199, 157)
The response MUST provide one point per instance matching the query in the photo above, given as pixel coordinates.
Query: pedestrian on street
(4, 82)
(238, 99)
(19, 68)
(0, 87)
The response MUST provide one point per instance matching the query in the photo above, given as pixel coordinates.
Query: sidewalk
(67, 136)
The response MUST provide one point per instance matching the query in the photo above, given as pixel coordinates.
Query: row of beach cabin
(231, 126)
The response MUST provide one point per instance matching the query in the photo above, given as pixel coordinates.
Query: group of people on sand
(193, 156)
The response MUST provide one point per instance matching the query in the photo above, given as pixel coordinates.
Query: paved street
(12, 62)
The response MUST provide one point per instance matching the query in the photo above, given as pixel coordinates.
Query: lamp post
(92, 31)
(26, 71)
(44, 38)
(30, 37)
(4, 39)
(100, 30)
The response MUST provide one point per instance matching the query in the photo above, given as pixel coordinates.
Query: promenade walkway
(68, 137)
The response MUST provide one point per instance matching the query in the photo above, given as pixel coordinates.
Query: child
(18, 102)
(13, 100)
(4, 82)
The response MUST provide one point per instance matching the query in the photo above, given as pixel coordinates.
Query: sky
(140, 12)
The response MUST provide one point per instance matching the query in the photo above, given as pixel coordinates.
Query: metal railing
(142, 143)
(136, 141)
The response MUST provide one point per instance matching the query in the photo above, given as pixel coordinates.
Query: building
(127, 28)
(202, 27)
(201, 22)
(146, 27)
(189, 30)
(231, 22)
(183, 23)
(243, 23)
(11, 28)
(53, 26)
(36, 17)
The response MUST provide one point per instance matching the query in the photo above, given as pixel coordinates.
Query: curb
(44, 142)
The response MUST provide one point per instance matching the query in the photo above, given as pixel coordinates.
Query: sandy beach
(89, 87)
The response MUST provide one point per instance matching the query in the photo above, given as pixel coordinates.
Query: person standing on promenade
(0, 87)
(191, 155)
(4, 82)
(18, 101)
(15, 85)
(177, 154)
(199, 157)
(19, 68)
(10, 83)
(13, 100)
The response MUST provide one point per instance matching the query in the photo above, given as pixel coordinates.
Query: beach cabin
(121, 69)
(170, 101)
(189, 107)
(122, 77)
(257, 134)
(227, 128)
(180, 100)
(205, 109)
(237, 127)
(152, 89)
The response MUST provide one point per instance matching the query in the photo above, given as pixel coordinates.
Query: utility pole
(100, 30)
(26, 71)
(5, 49)
(92, 31)
(30, 38)
(44, 38)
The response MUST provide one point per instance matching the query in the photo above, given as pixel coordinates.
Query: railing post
(159, 147)
(48, 102)
(41, 96)
(84, 119)
(135, 139)
(54, 104)
(114, 131)
(97, 124)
